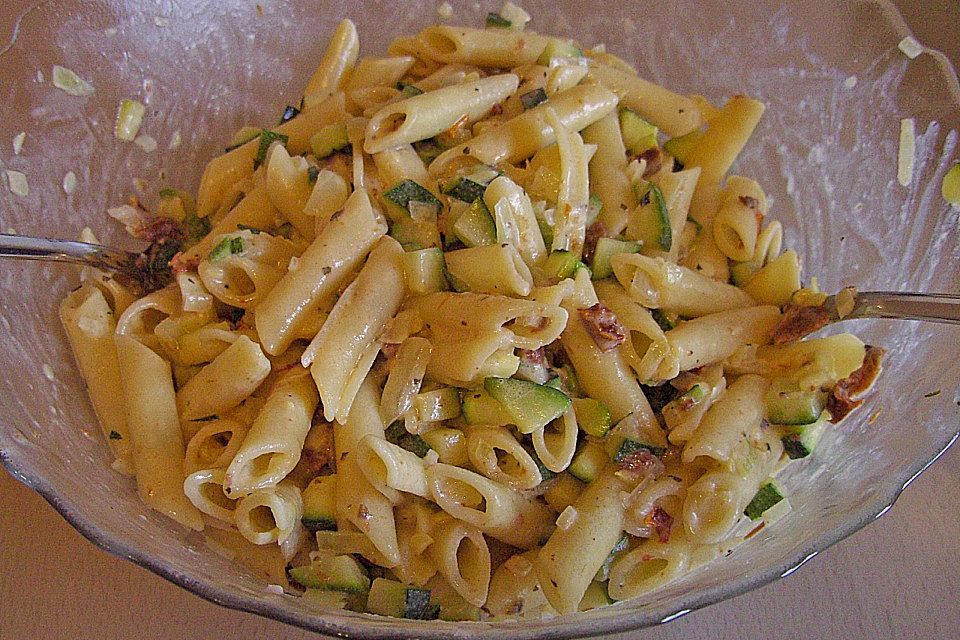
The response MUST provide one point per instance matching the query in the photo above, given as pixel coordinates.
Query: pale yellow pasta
(776, 282)
(353, 326)
(604, 375)
(712, 338)
(477, 46)
(508, 202)
(141, 318)
(495, 509)
(571, 557)
(155, 440)
(519, 138)
(608, 178)
(204, 488)
(335, 65)
(269, 515)
(405, 378)
(515, 589)
(118, 296)
(816, 362)
(450, 445)
(321, 269)
(89, 324)
(195, 297)
(203, 344)
(225, 382)
(371, 72)
(388, 465)
(460, 554)
(402, 163)
(677, 188)
(676, 115)
(494, 452)
(556, 450)
(730, 424)
(496, 269)
(649, 566)
(254, 210)
(288, 187)
(424, 116)
(565, 76)
(415, 529)
(273, 445)
(329, 194)
(658, 284)
(207, 449)
(226, 170)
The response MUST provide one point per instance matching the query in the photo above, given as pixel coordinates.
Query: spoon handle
(29, 248)
(932, 307)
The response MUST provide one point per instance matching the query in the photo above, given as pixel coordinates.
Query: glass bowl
(836, 86)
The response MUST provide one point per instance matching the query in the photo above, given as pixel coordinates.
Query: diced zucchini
(333, 573)
(453, 607)
(681, 146)
(595, 596)
(318, 504)
(665, 320)
(559, 48)
(475, 227)
(414, 235)
(408, 90)
(329, 139)
(594, 207)
(242, 136)
(424, 270)
(801, 440)
(392, 598)
(267, 138)
(767, 496)
(563, 492)
(654, 220)
(788, 405)
(326, 599)
(437, 405)
(479, 407)
(397, 434)
(497, 21)
(428, 150)
(606, 249)
(638, 134)
(588, 462)
(531, 406)
(630, 446)
(603, 573)
(531, 99)
(562, 264)
(407, 191)
(226, 247)
(464, 189)
(593, 416)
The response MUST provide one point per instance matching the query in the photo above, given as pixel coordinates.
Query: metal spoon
(133, 269)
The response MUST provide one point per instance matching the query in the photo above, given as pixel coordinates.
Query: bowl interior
(836, 87)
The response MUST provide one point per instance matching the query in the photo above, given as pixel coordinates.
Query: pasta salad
(482, 328)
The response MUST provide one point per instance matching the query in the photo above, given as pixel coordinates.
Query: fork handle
(932, 307)
(30, 248)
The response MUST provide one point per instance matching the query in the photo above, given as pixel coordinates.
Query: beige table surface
(898, 578)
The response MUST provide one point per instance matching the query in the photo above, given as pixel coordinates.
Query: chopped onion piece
(905, 157)
(518, 17)
(950, 188)
(18, 183)
(145, 142)
(175, 140)
(850, 82)
(567, 517)
(131, 217)
(70, 182)
(910, 47)
(18, 142)
(444, 11)
(69, 82)
(129, 118)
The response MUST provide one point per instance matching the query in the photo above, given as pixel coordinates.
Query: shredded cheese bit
(18, 183)
(146, 142)
(175, 140)
(18, 142)
(850, 82)
(910, 47)
(905, 157)
(70, 182)
(445, 11)
(48, 372)
(160, 21)
(69, 82)
(567, 517)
